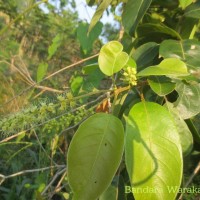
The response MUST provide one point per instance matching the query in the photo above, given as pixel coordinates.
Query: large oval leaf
(111, 58)
(94, 155)
(152, 152)
(168, 67)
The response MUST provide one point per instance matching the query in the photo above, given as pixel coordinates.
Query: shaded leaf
(145, 54)
(94, 155)
(151, 29)
(152, 152)
(110, 193)
(185, 135)
(188, 101)
(193, 10)
(161, 85)
(112, 58)
(86, 40)
(168, 67)
(133, 13)
(93, 79)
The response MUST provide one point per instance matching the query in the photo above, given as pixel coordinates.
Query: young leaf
(41, 71)
(111, 58)
(153, 152)
(94, 155)
(133, 13)
(99, 12)
(168, 67)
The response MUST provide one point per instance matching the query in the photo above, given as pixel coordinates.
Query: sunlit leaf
(153, 152)
(185, 3)
(112, 58)
(186, 50)
(99, 12)
(94, 155)
(168, 67)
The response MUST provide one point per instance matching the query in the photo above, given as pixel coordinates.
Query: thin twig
(3, 177)
(195, 172)
(13, 136)
(43, 148)
(51, 75)
(53, 180)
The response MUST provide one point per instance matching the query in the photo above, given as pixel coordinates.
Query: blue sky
(86, 12)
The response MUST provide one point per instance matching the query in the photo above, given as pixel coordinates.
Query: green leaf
(76, 84)
(186, 50)
(131, 63)
(133, 13)
(98, 141)
(188, 27)
(194, 128)
(188, 101)
(193, 10)
(151, 29)
(56, 42)
(41, 71)
(109, 194)
(92, 78)
(99, 12)
(161, 85)
(152, 152)
(86, 40)
(185, 3)
(145, 54)
(111, 58)
(185, 135)
(168, 67)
